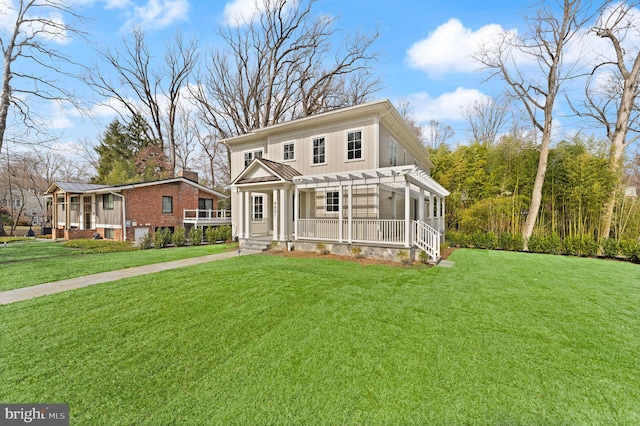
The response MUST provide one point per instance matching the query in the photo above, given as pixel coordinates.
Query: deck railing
(198, 215)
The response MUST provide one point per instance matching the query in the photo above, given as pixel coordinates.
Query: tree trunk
(615, 166)
(536, 196)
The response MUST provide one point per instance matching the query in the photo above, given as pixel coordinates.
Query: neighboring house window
(75, 202)
(248, 156)
(318, 150)
(333, 201)
(354, 145)
(393, 152)
(288, 152)
(107, 201)
(258, 207)
(108, 233)
(167, 204)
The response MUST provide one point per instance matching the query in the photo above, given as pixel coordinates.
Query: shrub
(550, 244)
(509, 241)
(211, 235)
(162, 238)
(458, 239)
(424, 257)
(484, 240)
(195, 236)
(178, 237)
(145, 242)
(610, 247)
(322, 248)
(99, 246)
(631, 250)
(225, 233)
(580, 246)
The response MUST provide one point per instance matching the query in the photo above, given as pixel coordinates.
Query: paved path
(26, 293)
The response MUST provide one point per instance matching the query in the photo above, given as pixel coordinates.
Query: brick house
(127, 212)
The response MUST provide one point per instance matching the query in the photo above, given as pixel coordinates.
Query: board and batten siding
(108, 216)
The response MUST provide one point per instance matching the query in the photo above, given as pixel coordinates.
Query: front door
(88, 213)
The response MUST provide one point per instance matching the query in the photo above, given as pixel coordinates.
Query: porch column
(241, 208)
(284, 212)
(296, 211)
(275, 218)
(421, 205)
(247, 214)
(340, 218)
(443, 221)
(350, 225)
(407, 214)
(431, 210)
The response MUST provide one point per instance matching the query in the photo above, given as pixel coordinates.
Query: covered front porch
(398, 207)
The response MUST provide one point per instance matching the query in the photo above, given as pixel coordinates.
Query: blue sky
(424, 46)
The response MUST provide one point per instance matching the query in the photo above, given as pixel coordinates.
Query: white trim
(105, 226)
(294, 151)
(346, 145)
(253, 206)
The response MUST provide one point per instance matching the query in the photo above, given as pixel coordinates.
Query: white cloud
(239, 11)
(157, 13)
(447, 106)
(49, 27)
(449, 48)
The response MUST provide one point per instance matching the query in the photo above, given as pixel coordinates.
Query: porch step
(254, 244)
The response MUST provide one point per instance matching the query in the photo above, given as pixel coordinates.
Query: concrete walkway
(26, 293)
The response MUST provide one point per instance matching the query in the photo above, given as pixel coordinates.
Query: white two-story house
(353, 177)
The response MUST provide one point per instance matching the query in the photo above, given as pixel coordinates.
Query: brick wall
(144, 205)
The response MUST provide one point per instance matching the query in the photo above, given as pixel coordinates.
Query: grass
(502, 338)
(23, 264)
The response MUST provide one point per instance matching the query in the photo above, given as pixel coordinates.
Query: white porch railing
(372, 231)
(362, 230)
(427, 239)
(206, 216)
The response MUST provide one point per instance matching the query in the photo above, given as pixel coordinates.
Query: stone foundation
(393, 254)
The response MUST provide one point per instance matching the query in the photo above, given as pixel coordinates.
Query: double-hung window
(333, 201)
(248, 156)
(393, 152)
(167, 204)
(319, 150)
(107, 201)
(354, 145)
(258, 208)
(288, 152)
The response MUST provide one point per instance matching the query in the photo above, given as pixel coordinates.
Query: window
(75, 202)
(288, 152)
(107, 201)
(16, 203)
(318, 150)
(61, 202)
(257, 208)
(393, 153)
(354, 145)
(167, 204)
(333, 201)
(248, 156)
(108, 233)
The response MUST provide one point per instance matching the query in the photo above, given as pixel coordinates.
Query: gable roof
(77, 187)
(274, 172)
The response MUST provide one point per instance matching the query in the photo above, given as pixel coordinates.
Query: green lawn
(24, 264)
(502, 338)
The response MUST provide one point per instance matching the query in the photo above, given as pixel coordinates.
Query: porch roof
(271, 172)
(389, 176)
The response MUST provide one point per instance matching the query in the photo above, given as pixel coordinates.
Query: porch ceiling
(393, 177)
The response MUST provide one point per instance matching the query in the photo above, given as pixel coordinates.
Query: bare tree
(280, 65)
(486, 118)
(147, 88)
(406, 111)
(537, 87)
(611, 100)
(437, 133)
(32, 67)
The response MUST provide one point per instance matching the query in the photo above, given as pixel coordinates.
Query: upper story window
(393, 152)
(288, 152)
(354, 145)
(248, 156)
(319, 150)
(107, 201)
(167, 204)
(333, 201)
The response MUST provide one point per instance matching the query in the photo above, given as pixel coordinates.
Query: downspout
(124, 213)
